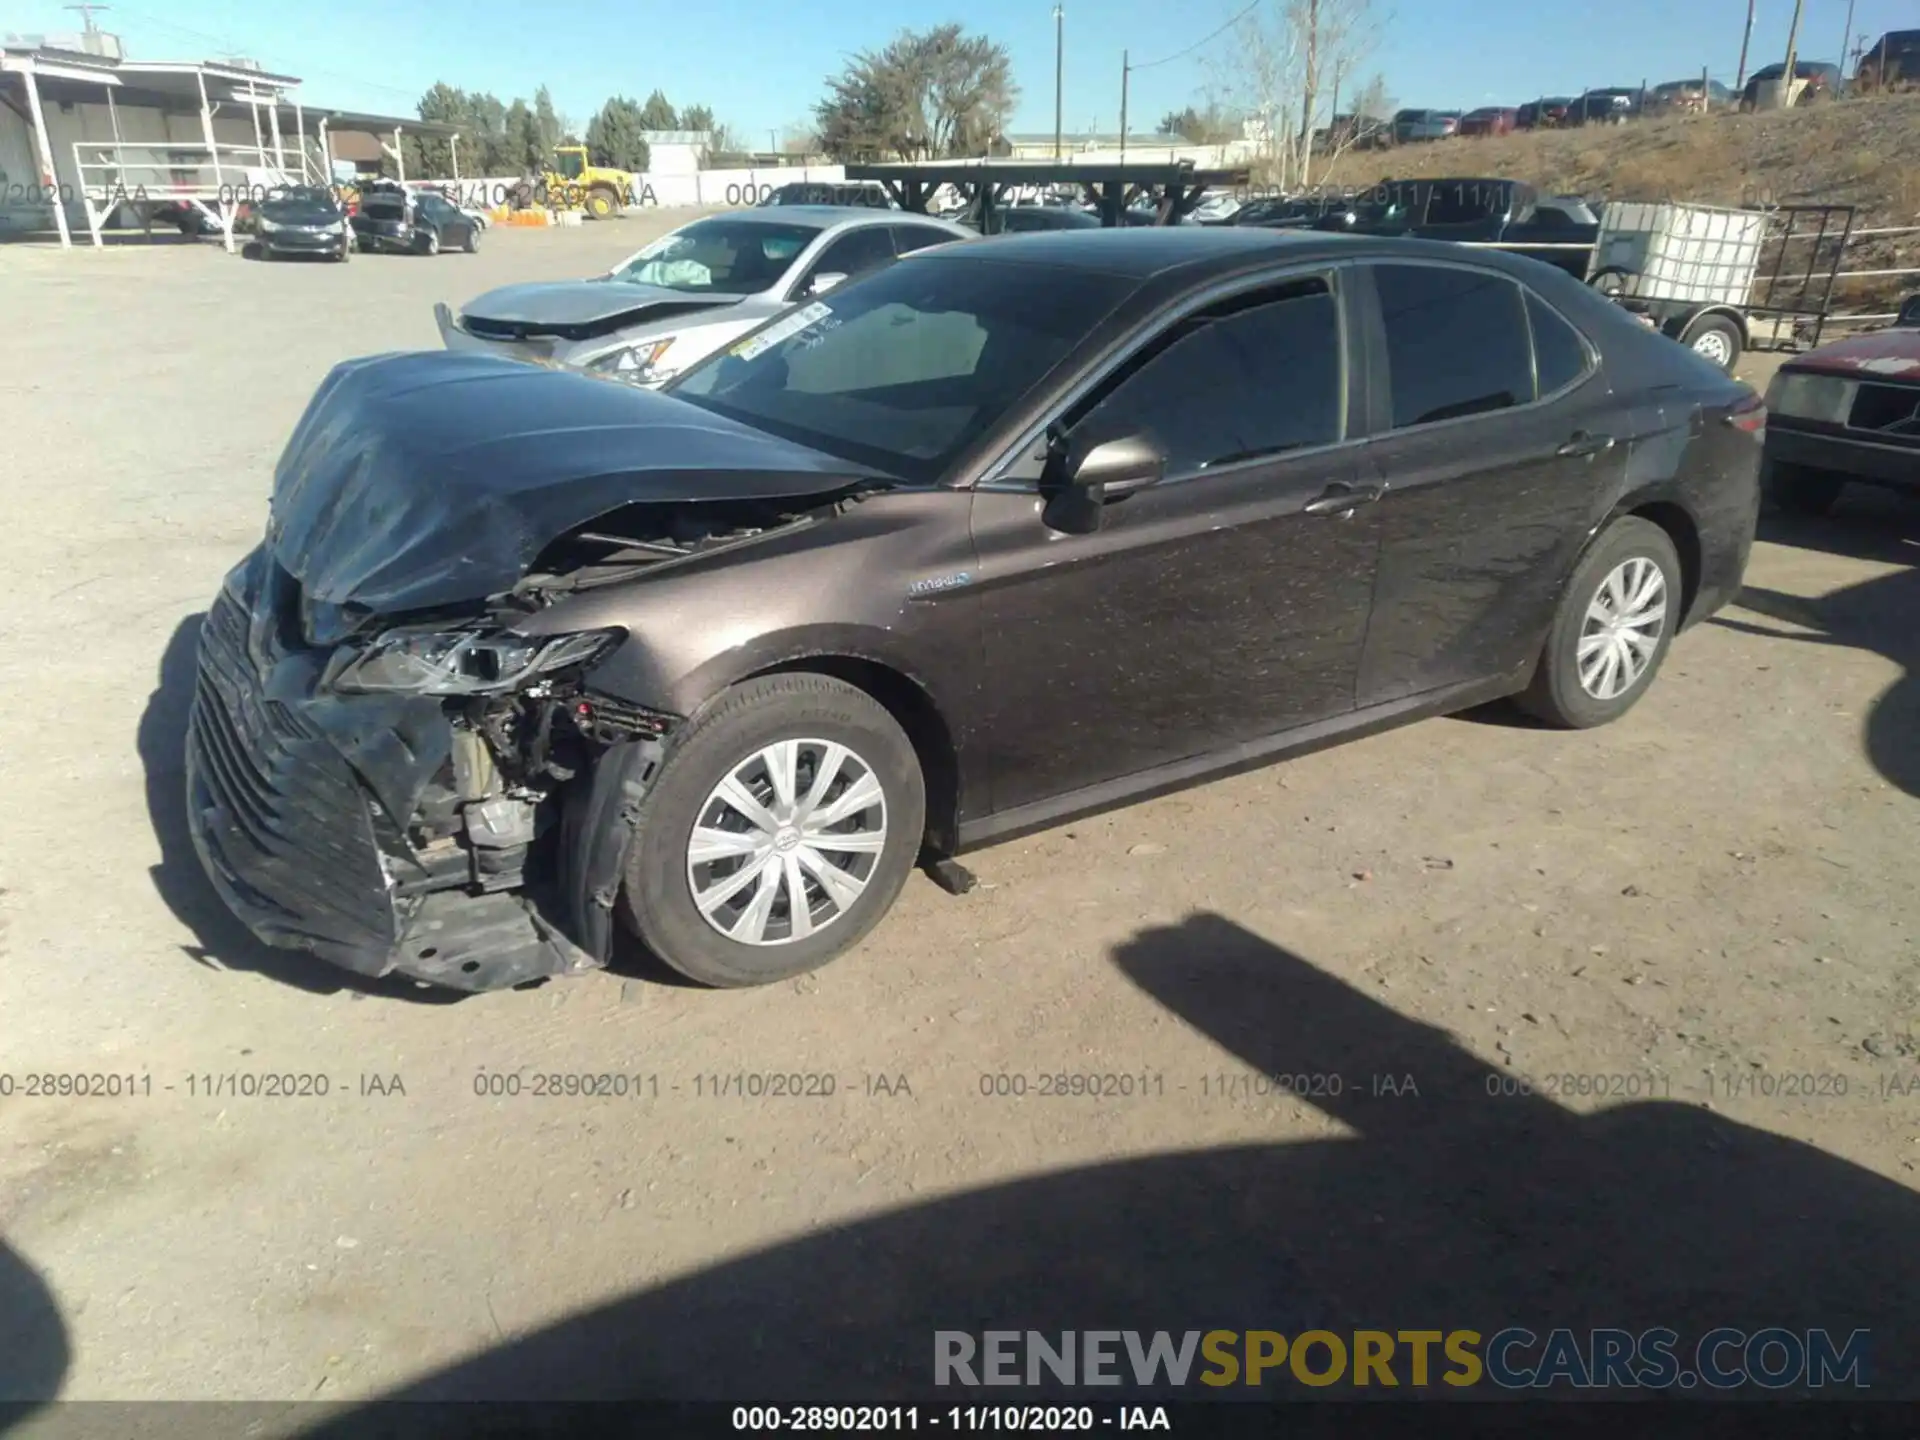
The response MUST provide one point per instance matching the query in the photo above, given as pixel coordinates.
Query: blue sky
(761, 63)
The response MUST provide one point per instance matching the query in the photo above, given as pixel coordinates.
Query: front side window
(1457, 342)
(904, 369)
(570, 166)
(718, 257)
(1262, 379)
(854, 253)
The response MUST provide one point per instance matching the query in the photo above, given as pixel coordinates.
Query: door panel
(1485, 513)
(1208, 610)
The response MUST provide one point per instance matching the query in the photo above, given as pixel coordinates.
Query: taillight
(1749, 415)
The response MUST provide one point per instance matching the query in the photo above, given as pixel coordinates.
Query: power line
(1207, 41)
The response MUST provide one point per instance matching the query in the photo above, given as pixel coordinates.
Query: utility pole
(1793, 50)
(1740, 80)
(1058, 72)
(86, 15)
(1847, 40)
(1126, 70)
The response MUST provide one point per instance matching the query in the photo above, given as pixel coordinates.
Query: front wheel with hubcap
(1611, 629)
(780, 829)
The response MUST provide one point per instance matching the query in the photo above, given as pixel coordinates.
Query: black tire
(1720, 335)
(1556, 694)
(1799, 490)
(656, 898)
(471, 244)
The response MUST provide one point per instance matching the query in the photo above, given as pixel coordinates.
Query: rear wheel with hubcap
(1611, 629)
(780, 829)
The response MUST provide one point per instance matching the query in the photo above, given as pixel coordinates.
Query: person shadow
(1453, 1197)
(34, 1349)
(221, 941)
(1876, 614)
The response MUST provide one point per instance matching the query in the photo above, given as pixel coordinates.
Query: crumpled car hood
(420, 480)
(580, 302)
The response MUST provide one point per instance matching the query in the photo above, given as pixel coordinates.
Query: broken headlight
(639, 362)
(461, 662)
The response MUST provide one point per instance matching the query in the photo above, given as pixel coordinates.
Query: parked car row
(1896, 55)
(716, 655)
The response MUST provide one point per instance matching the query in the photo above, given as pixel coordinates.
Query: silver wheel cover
(787, 842)
(1622, 628)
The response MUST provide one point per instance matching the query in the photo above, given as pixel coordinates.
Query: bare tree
(1289, 64)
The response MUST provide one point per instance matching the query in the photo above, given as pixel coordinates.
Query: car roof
(1203, 252)
(821, 215)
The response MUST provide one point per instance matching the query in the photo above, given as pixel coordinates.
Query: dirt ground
(1702, 912)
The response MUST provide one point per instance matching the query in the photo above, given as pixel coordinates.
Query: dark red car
(1490, 120)
(1847, 412)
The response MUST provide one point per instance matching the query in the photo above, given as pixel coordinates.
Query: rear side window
(1559, 355)
(908, 238)
(1261, 380)
(1457, 342)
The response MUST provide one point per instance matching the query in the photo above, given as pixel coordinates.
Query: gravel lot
(1698, 906)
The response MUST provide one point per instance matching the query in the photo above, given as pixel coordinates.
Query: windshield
(904, 369)
(290, 200)
(719, 257)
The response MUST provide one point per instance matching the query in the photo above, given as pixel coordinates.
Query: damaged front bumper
(386, 834)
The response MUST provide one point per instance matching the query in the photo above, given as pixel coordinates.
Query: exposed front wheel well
(913, 709)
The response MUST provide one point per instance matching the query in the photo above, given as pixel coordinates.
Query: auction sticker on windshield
(780, 330)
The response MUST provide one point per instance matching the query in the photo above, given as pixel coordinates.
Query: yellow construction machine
(575, 184)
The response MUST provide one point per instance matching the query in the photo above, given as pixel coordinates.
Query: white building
(677, 152)
(88, 136)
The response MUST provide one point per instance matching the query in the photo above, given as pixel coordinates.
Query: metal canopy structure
(210, 175)
(1173, 187)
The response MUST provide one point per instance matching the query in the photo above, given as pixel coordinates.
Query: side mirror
(1116, 467)
(824, 282)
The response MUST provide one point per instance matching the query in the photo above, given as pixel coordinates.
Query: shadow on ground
(1878, 615)
(34, 1352)
(1463, 1206)
(222, 942)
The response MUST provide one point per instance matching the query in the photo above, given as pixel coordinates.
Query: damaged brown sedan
(997, 536)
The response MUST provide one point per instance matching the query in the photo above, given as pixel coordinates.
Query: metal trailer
(1173, 188)
(1724, 281)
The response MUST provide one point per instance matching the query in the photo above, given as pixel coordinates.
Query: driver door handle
(1581, 444)
(1342, 499)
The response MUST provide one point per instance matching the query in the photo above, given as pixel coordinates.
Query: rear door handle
(1339, 499)
(1583, 444)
